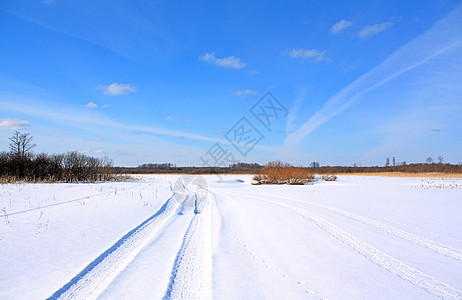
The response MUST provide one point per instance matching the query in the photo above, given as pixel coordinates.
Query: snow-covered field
(356, 238)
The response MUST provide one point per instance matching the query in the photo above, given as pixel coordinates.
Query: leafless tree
(387, 162)
(429, 160)
(440, 159)
(21, 144)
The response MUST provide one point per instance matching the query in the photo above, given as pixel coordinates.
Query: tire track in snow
(94, 278)
(437, 247)
(191, 275)
(378, 257)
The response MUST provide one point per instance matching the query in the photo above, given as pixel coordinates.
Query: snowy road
(357, 238)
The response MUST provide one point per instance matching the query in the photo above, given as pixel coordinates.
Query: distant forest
(152, 168)
(315, 168)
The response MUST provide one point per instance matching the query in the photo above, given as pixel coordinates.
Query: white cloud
(169, 118)
(91, 105)
(97, 139)
(243, 93)
(13, 124)
(106, 105)
(371, 30)
(340, 26)
(225, 62)
(187, 120)
(115, 89)
(99, 151)
(219, 131)
(314, 54)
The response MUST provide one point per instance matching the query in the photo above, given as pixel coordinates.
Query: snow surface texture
(173, 237)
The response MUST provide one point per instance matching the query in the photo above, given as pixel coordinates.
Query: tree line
(154, 168)
(314, 167)
(20, 164)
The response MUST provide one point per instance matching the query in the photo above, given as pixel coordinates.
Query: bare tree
(314, 165)
(21, 144)
(387, 162)
(394, 161)
(429, 160)
(440, 159)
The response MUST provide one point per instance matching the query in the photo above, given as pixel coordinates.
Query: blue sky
(145, 81)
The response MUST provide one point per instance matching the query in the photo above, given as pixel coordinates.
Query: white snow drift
(223, 238)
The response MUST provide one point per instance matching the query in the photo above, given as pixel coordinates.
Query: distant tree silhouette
(429, 160)
(314, 164)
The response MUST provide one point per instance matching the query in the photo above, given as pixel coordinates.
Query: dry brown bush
(7, 179)
(278, 172)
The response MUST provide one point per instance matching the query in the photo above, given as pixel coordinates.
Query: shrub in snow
(282, 173)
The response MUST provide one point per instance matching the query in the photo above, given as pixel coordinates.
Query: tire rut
(384, 261)
(94, 278)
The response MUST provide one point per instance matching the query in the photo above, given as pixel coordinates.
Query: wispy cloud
(225, 62)
(101, 124)
(16, 104)
(116, 34)
(115, 89)
(91, 105)
(443, 36)
(169, 118)
(97, 139)
(244, 93)
(60, 132)
(371, 30)
(13, 124)
(340, 26)
(316, 55)
(292, 119)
